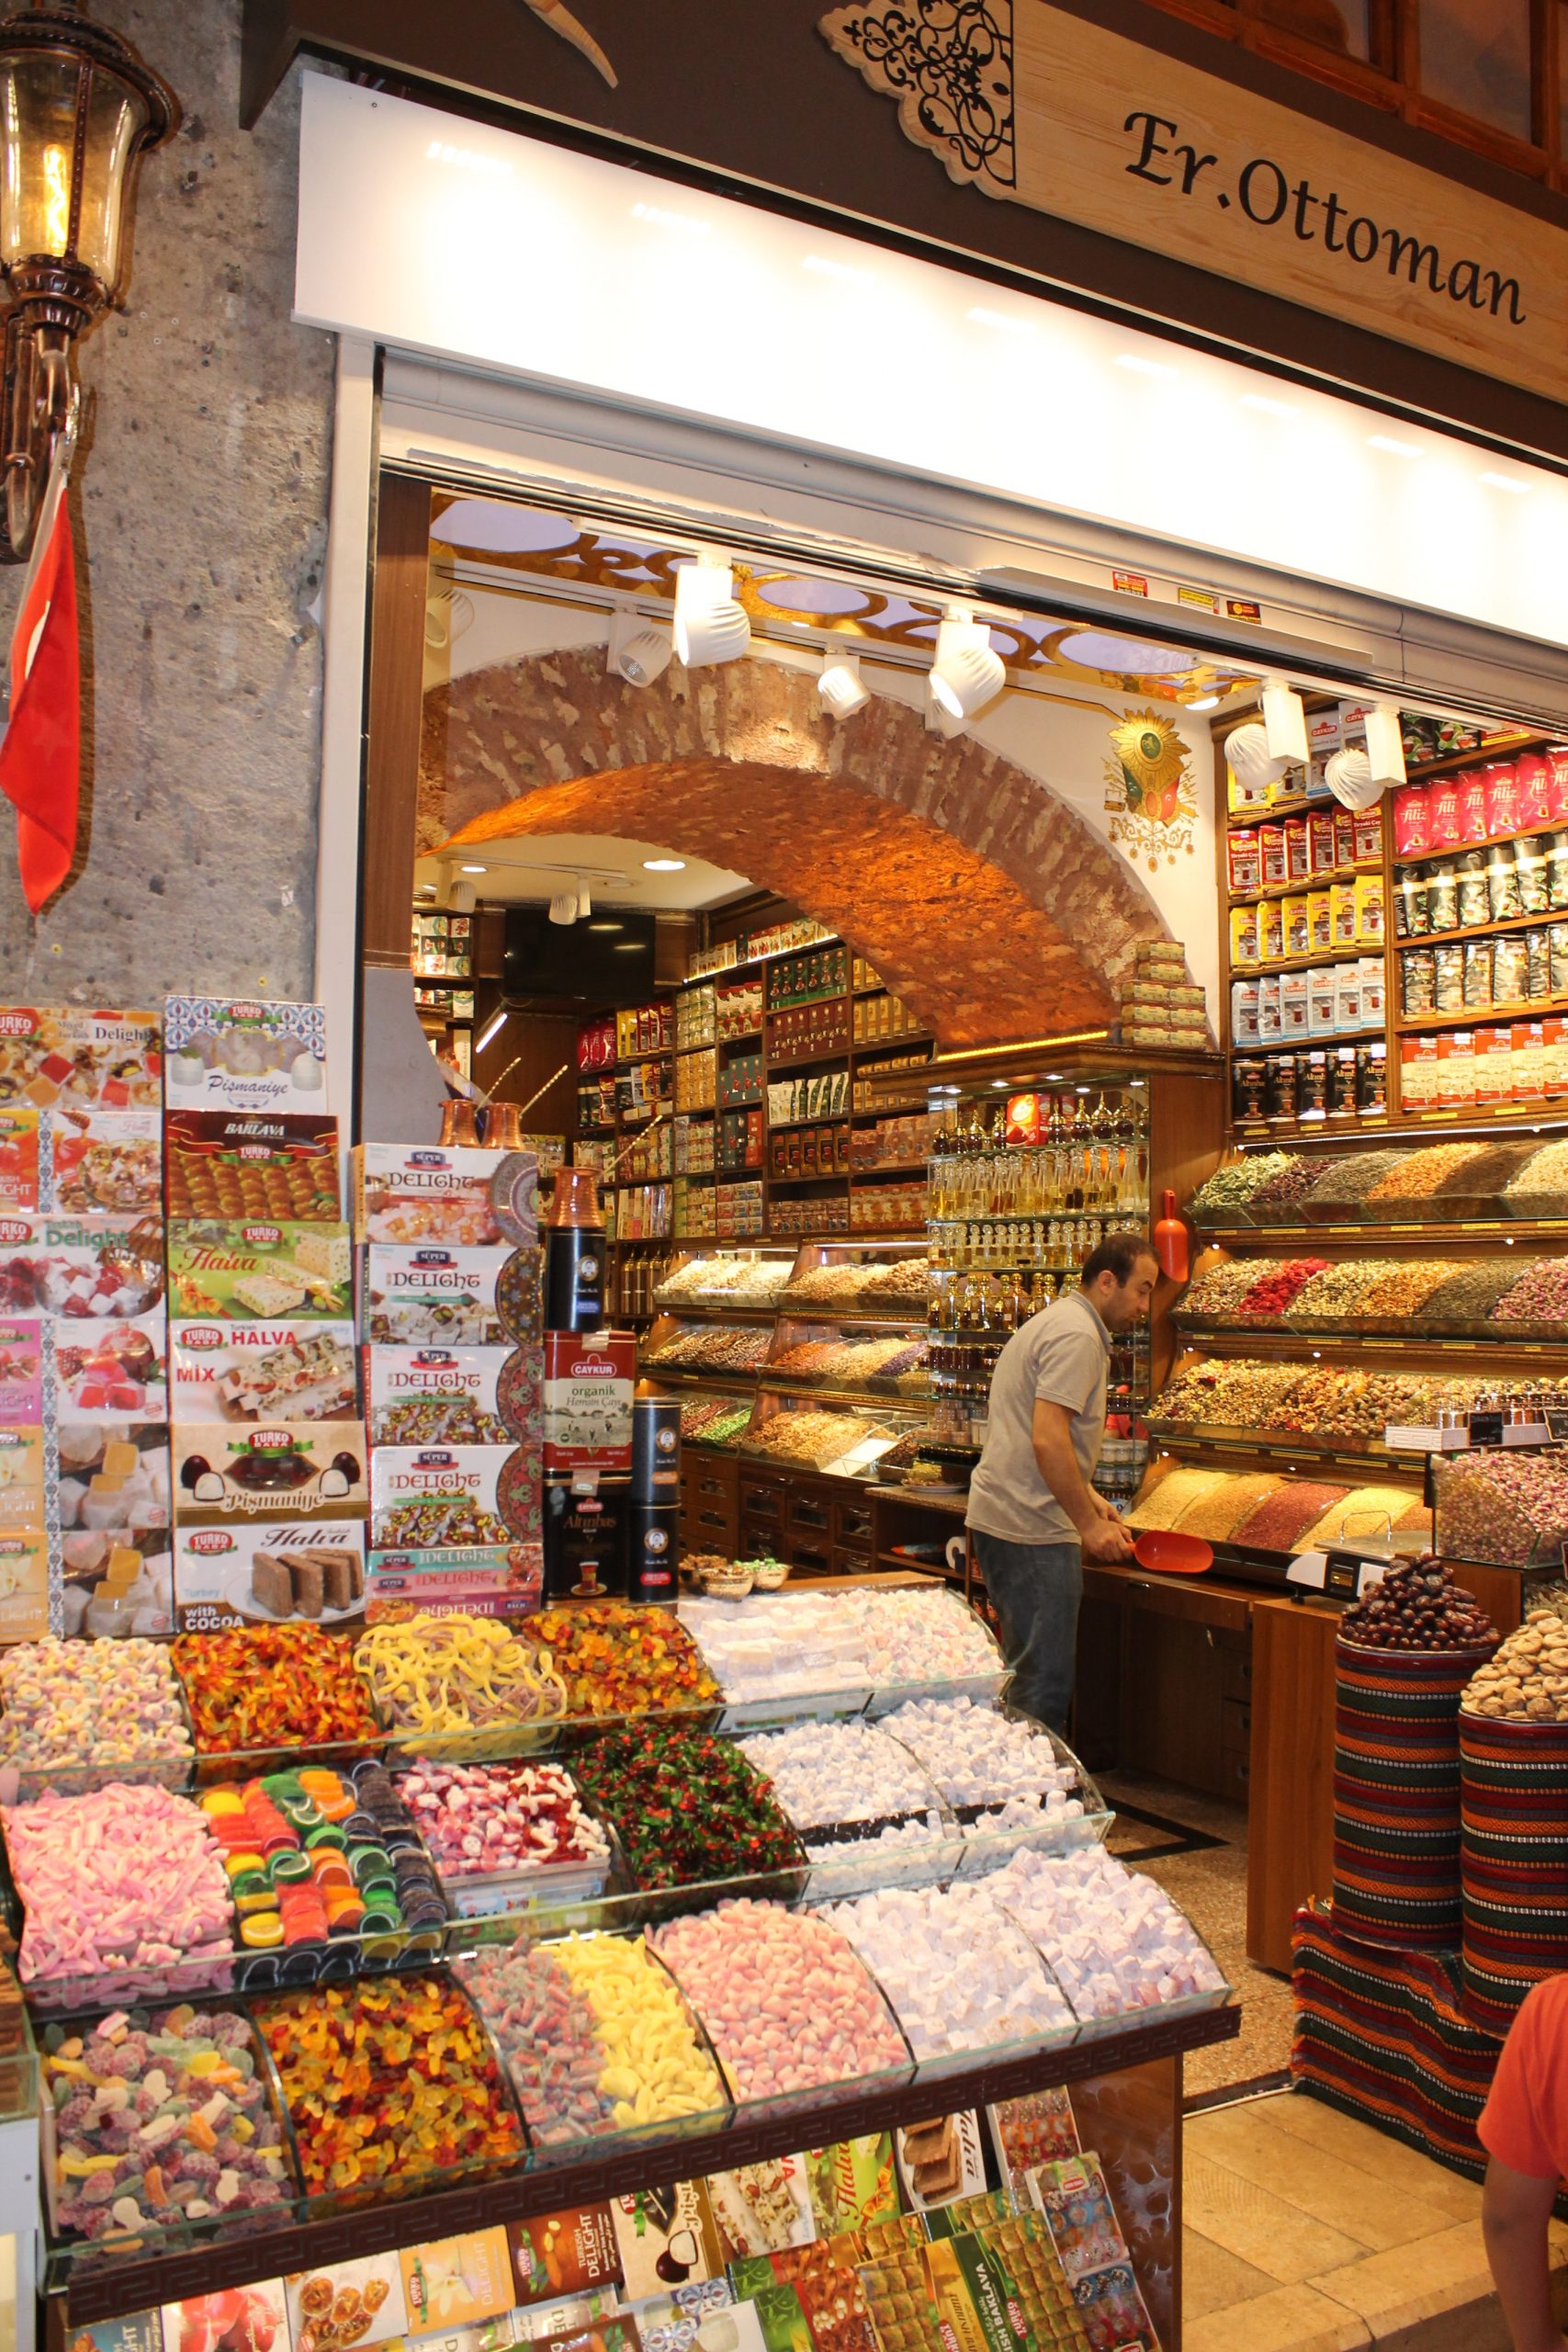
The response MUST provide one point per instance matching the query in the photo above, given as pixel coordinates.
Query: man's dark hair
(1117, 1254)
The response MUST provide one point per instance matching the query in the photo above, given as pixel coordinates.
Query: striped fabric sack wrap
(1396, 1794)
(1512, 1861)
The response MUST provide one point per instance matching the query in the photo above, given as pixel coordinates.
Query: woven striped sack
(1512, 1861)
(1382, 2036)
(1396, 1794)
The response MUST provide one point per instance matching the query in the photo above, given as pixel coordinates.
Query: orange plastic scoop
(1172, 1555)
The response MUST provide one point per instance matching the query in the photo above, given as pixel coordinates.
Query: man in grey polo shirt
(1032, 1512)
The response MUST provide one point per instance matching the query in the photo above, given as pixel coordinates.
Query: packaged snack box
(259, 1271)
(274, 1470)
(479, 1580)
(435, 1296)
(246, 1054)
(240, 1573)
(107, 1369)
(21, 1369)
(435, 1396)
(51, 1054)
(406, 1194)
(241, 1165)
(264, 1371)
(18, 1156)
(345, 2304)
(98, 1267)
(428, 1497)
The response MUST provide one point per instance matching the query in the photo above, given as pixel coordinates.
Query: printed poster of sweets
(458, 2281)
(347, 2304)
(240, 1574)
(569, 2253)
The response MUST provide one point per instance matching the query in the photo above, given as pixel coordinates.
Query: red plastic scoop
(1172, 1554)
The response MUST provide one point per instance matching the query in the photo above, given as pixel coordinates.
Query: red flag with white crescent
(40, 755)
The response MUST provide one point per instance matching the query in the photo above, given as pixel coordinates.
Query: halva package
(256, 1271)
(241, 1574)
(263, 1372)
(273, 1470)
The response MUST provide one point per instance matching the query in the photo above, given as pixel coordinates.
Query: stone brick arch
(996, 910)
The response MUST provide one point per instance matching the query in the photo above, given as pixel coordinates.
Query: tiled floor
(1308, 2232)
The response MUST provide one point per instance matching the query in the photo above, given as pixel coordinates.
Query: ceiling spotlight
(664, 865)
(563, 907)
(1285, 722)
(1205, 702)
(940, 722)
(967, 672)
(491, 1031)
(840, 686)
(604, 926)
(474, 869)
(639, 652)
(710, 625)
(460, 898)
(584, 902)
(1385, 743)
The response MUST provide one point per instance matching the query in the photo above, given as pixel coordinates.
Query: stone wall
(201, 513)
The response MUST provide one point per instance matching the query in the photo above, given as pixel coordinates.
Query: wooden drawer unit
(852, 1526)
(761, 1496)
(1235, 1728)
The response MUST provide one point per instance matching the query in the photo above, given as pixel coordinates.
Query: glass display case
(1507, 1510)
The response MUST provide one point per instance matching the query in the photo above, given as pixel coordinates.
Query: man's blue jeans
(1035, 1589)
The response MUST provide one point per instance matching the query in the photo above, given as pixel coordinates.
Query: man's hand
(1106, 1509)
(1107, 1541)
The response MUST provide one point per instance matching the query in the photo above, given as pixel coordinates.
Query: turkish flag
(41, 756)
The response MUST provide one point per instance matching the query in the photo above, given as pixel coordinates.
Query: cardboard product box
(570, 2252)
(24, 1584)
(428, 1498)
(482, 1580)
(300, 1571)
(589, 1379)
(435, 1396)
(1323, 1001)
(408, 1194)
(264, 1371)
(101, 1266)
(249, 2319)
(1347, 996)
(245, 1165)
(346, 2304)
(256, 1271)
(107, 1369)
(434, 1295)
(21, 1369)
(1296, 914)
(92, 1159)
(268, 1471)
(52, 1056)
(762, 2208)
(1418, 1072)
(21, 1181)
(852, 2183)
(21, 1475)
(245, 1054)
(940, 2160)
(110, 1544)
(665, 2236)
(458, 2281)
(585, 1536)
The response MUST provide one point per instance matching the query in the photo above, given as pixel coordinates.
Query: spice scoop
(1172, 1554)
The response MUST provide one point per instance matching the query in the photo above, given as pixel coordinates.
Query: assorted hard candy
(500, 1820)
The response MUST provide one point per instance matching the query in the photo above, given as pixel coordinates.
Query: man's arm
(1103, 1536)
(1514, 2217)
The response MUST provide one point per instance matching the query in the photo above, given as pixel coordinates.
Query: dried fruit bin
(1507, 1510)
(569, 2110)
(202, 2150)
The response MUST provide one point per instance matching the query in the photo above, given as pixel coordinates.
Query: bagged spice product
(1340, 1101)
(1298, 927)
(1268, 1014)
(1527, 1056)
(1320, 919)
(1510, 971)
(1443, 819)
(1342, 896)
(1532, 782)
(1244, 1012)
(1532, 861)
(1412, 823)
(1249, 1084)
(1503, 883)
(1369, 909)
(1371, 1079)
(1472, 784)
(1557, 782)
(1366, 825)
(1311, 1084)
(1243, 862)
(1347, 996)
(1442, 895)
(1320, 831)
(1474, 907)
(1502, 799)
(1298, 849)
(1538, 956)
(1456, 1069)
(1281, 1097)
(1558, 969)
(1271, 930)
(1493, 1073)
(1244, 935)
(1478, 973)
(1417, 982)
(1448, 981)
(1321, 1001)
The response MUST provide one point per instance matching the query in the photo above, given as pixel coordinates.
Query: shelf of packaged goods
(1504, 924)
(752, 1037)
(1316, 959)
(1300, 882)
(838, 1176)
(107, 2289)
(1323, 1039)
(822, 1119)
(798, 1003)
(637, 1061)
(1481, 1016)
(1506, 747)
(839, 1052)
(1494, 841)
(1296, 806)
(890, 1168)
(821, 1392)
(1295, 1241)
(1042, 1216)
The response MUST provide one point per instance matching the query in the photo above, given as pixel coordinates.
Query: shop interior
(820, 967)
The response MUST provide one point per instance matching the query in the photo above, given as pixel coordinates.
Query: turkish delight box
(406, 1194)
(24, 1584)
(111, 1545)
(343, 2303)
(19, 1178)
(80, 1266)
(435, 1296)
(21, 1369)
(245, 1054)
(101, 1160)
(240, 1573)
(476, 1581)
(458, 2281)
(589, 1378)
(271, 1470)
(107, 1368)
(248, 2319)
(435, 1396)
(569, 2253)
(257, 1271)
(246, 1164)
(53, 1054)
(425, 1498)
(21, 1475)
(263, 1372)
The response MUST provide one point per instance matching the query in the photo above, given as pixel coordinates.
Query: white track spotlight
(840, 686)
(460, 898)
(1385, 744)
(710, 624)
(1350, 779)
(584, 902)
(491, 1031)
(1285, 722)
(967, 672)
(1248, 758)
(640, 650)
(940, 722)
(563, 907)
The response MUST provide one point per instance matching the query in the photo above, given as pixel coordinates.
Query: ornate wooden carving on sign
(949, 64)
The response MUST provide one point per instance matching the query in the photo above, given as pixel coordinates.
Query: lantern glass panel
(117, 117)
(39, 93)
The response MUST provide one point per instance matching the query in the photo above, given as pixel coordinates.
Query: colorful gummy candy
(457, 1673)
(124, 1877)
(90, 1702)
(387, 2081)
(314, 1857)
(496, 1820)
(620, 1660)
(686, 1807)
(595, 2037)
(273, 1686)
(159, 2120)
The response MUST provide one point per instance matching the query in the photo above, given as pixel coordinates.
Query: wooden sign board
(1037, 107)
